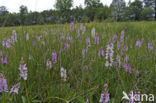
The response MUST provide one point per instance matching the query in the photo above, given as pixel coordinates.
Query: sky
(40, 5)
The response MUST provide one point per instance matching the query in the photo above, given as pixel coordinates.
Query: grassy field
(64, 65)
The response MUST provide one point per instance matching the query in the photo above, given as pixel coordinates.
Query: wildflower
(4, 60)
(43, 42)
(34, 43)
(126, 58)
(122, 36)
(109, 54)
(62, 50)
(105, 86)
(138, 43)
(66, 45)
(38, 38)
(3, 84)
(70, 38)
(118, 45)
(10, 43)
(45, 33)
(137, 72)
(13, 32)
(88, 42)
(5, 43)
(15, 88)
(127, 68)
(82, 28)
(118, 59)
(125, 48)
(115, 37)
(14, 36)
(49, 64)
(54, 57)
(115, 64)
(63, 74)
(104, 96)
(96, 39)
(52, 31)
(132, 99)
(83, 52)
(93, 32)
(78, 32)
(23, 69)
(150, 47)
(71, 26)
(62, 36)
(101, 52)
(12, 39)
(85, 67)
(27, 36)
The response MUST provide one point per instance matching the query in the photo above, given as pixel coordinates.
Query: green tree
(152, 4)
(23, 14)
(135, 10)
(77, 13)
(149, 3)
(93, 3)
(3, 15)
(3, 11)
(118, 7)
(103, 13)
(92, 9)
(147, 13)
(64, 8)
(64, 4)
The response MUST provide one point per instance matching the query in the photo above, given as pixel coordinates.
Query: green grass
(46, 86)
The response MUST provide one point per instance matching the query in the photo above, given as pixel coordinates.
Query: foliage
(147, 13)
(94, 10)
(23, 14)
(64, 7)
(135, 8)
(149, 3)
(3, 11)
(92, 3)
(118, 7)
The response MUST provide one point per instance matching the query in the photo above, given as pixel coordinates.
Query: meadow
(77, 63)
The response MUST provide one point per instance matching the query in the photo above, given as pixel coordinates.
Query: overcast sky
(40, 5)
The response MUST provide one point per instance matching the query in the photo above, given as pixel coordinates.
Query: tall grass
(46, 86)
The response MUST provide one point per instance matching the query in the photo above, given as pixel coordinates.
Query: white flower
(49, 64)
(27, 36)
(109, 54)
(15, 88)
(93, 32)
(14, 36)
(23, 70)
(63, 74)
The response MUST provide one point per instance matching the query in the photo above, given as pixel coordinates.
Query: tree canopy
(94, 10)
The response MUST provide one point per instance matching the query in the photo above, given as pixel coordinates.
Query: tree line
(94, 10)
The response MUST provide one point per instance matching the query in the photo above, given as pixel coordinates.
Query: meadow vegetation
(77, 63)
